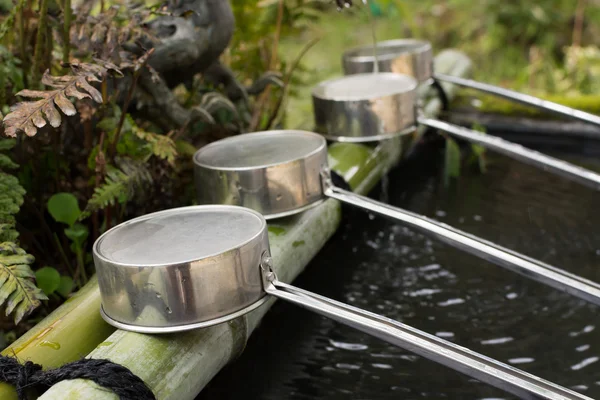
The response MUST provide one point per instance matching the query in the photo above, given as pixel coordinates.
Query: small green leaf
(64, 208)
(452, 161)
(65, 287)
(77, 233)
(48, 279)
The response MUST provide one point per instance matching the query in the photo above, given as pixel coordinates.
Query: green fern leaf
(161, 146)
(7, 231)
(7, 163)
(11, 194)
(17, 289)
(120, 185)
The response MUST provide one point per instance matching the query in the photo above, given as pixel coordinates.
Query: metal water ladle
(194, 267)
(375, 106)
(281, 173)
(415, 57)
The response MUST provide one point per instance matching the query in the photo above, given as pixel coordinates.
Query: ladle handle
(522, 98)
(461, 359)
(486, 250)
(518, 152)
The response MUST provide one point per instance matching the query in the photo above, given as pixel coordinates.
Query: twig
(64, 256)
(67, 29)
(138, 70)
(40, 42)
(264, 97)
(578, 25)
(275, 116)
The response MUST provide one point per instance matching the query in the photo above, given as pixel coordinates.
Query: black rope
(30, 376)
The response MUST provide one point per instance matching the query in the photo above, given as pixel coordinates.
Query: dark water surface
(385, 268)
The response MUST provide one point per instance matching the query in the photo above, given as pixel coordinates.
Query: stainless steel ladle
(415, 57)
(369, 107)
(281, 173)
(194, 267)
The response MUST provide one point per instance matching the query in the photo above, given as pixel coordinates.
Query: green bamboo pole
(67, 334)
(178, 366)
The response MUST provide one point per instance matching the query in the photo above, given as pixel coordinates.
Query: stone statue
(191, 40)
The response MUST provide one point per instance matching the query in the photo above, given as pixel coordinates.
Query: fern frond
(29, 116)
(17, 289)
(161, 146)
(11, 195)
(120, 185)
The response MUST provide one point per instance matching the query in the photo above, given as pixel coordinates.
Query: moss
(276, 230)
(496, 105)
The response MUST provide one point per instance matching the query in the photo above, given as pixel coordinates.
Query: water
(389, 269)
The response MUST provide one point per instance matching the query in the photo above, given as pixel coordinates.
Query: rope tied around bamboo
(117, 378)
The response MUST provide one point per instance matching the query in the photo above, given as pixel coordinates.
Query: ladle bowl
(276, 173)
(411, 57)
(358, 108)
(181, 269)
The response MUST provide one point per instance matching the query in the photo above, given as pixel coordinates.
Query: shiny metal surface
(518, 152)
(275, 173)
(523, 265)
(365, 107)
(400, 56)
(522, 98)
(461, 359)
(180, 269)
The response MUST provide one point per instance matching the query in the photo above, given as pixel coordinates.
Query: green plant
(64, 208)
(51, 282)
(17, 288)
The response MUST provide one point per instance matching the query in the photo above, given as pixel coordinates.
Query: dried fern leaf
(17, 289)
(29, 116)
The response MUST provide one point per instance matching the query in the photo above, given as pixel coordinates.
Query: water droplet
(450, 302)
(497, 340)
(183, 280)
(279, 197)
(168, 310)
(348, 346)
(584, 363)
(582, 348)
(158, 296)
(522, 360)
(52, 345)
(382, 366)
(347, 366)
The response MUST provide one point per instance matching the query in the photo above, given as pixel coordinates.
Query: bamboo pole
(67, 334)
(178, 366)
